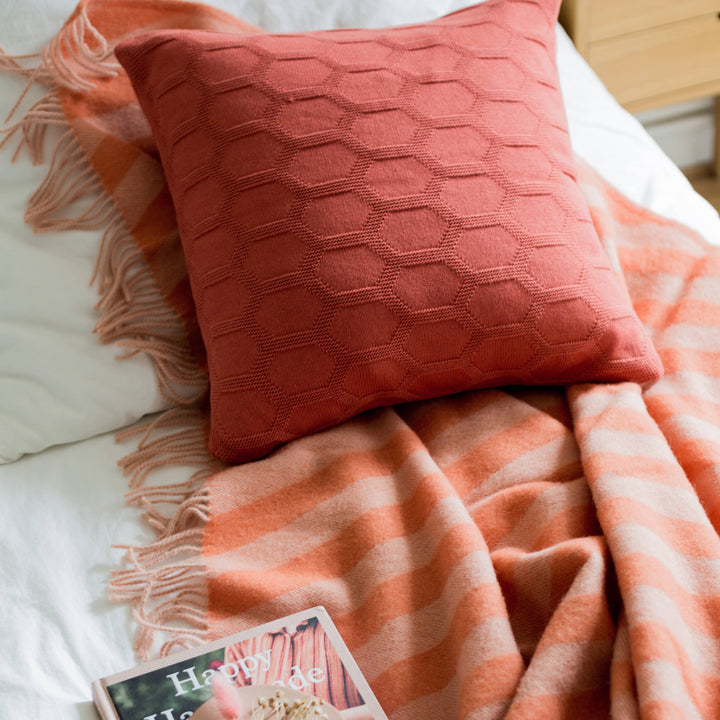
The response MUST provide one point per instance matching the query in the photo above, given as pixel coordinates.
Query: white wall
(686, 132)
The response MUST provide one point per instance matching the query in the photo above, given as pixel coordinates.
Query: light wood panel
(662, 65)
(650, 53)
(707, 185)
(575, 18)
(609, 18)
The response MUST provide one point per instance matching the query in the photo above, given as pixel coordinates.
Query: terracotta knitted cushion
(379, 216)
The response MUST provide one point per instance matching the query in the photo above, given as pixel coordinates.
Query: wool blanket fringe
(509, 553)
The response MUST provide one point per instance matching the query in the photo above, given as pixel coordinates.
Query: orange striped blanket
(507, 553)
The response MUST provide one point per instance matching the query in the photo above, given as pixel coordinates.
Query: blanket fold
(505, 553)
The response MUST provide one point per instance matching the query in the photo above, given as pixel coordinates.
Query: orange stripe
(664, 472)
(333, 558)
(109, 94)
(705, 485)
(699, 612)
(112, 159)
(676, 359)
(433, 418)
(657, 313)
(645, 260)
(535, 585)
(499, 514)
(429, 672)
(415, 589)
(651, 640)
(697, 455)
(537, 515)
(488, 457)
(575, 522)
(156, 225)
(692, 538)
(490, 683)
(665, 406)
(622, 681)
(276, 510)
(583, 618)
(617, 418)
(663, 710)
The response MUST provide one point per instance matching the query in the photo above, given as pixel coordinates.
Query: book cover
(294, 668)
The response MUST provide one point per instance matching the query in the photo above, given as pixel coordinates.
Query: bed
(66, 523)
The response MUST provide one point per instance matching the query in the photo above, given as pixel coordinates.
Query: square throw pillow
(379, 216)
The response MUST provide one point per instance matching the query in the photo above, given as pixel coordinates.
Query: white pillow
(58, 383)
(302, 15)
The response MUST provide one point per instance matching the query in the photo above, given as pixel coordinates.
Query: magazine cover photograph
(298, 669)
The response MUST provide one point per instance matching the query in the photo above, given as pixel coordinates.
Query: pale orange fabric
(509, 553)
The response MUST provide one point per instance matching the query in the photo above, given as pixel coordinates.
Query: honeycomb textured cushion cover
(379, 216)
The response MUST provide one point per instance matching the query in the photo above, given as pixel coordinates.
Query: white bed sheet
(62, 510)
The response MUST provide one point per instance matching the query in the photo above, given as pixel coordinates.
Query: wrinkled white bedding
(62, 510)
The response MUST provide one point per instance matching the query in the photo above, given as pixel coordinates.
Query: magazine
(294, 668)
